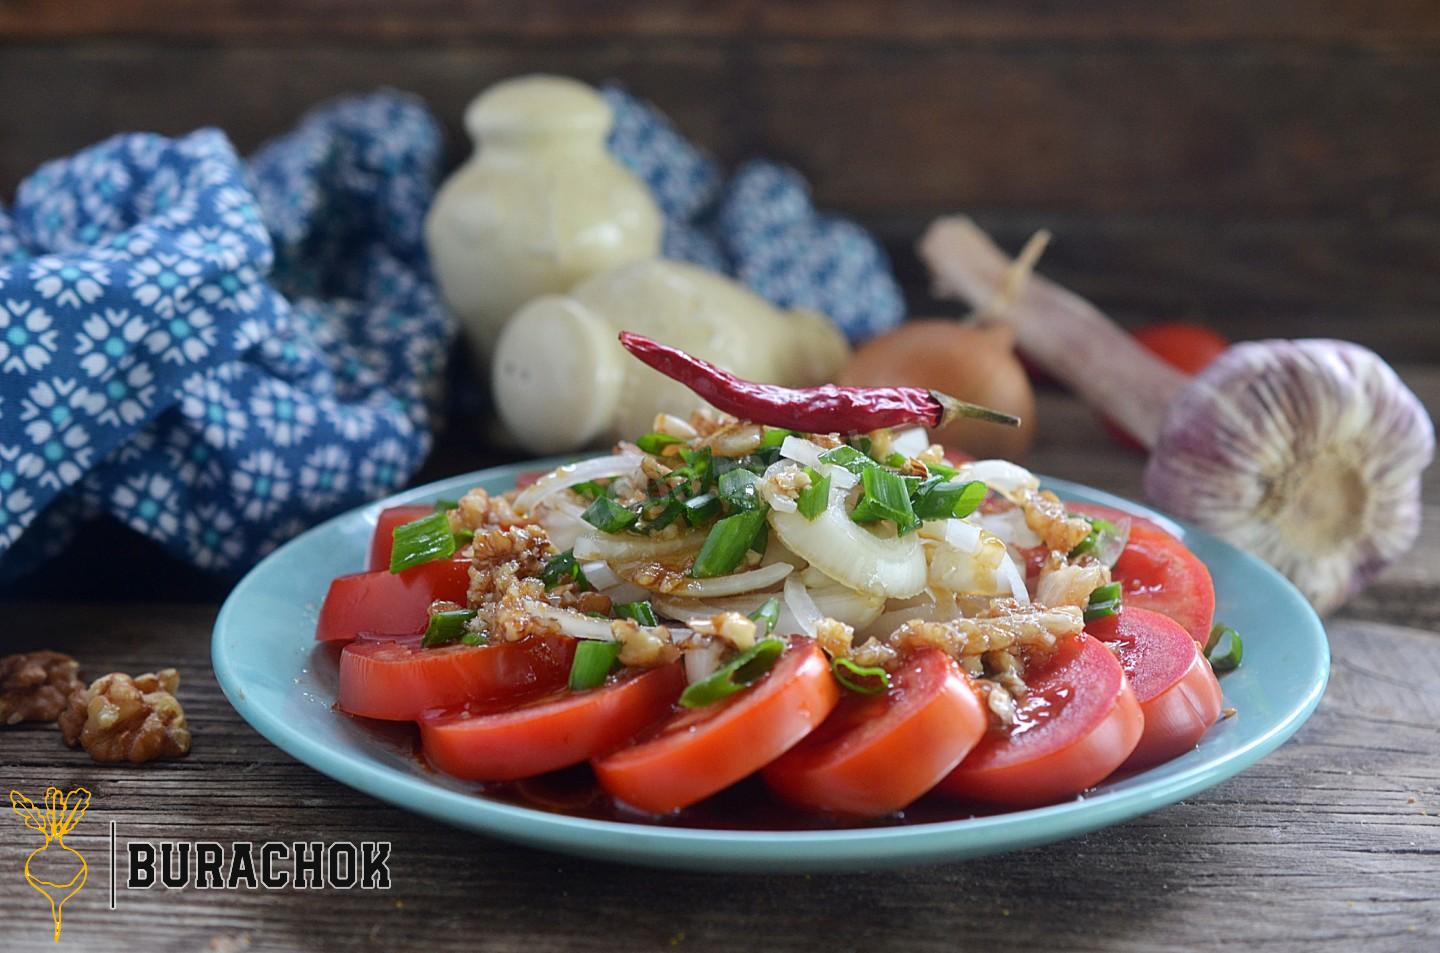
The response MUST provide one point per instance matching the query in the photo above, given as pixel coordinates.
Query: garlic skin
(1306, 453)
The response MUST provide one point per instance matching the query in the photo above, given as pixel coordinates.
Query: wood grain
(1331, 843)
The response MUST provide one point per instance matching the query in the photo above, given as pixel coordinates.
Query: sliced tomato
(386, 603)
(1178, 693)
(1079, 722)
(401, 681)
(384, 539)
(698, 752)
(553, 732)
(1160, 573)
(875, 754)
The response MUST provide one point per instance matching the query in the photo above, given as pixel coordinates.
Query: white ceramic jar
(562, 381)
(538, 207)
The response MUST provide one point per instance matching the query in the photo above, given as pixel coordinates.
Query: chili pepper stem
(1061, 332)
(952, 409)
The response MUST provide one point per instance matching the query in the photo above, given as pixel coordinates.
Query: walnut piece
(119, 718)
(34, 686)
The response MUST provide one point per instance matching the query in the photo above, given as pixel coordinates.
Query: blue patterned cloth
(761, 226)
(217, 353)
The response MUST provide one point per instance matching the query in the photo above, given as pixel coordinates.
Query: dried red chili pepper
(824, 409)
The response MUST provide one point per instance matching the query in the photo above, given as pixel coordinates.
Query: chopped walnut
(35, 686)
(478, 510)
(789, 481)
(1030, 631)
(119, 718)
(1070, 584)
(643, 646)
(1046, 515)
(834, 637)
(733, 627)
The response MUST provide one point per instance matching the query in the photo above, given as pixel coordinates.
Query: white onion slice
(600, 575)
(797, 599)
(808, 452)
(620, 548)
(702, 661)
(574, 624)
(852, 555)
(559, 480)
(1010, 526)
(626, 592)
(1002, 476)
(912, 441)
(1011, 575)
(735, 583)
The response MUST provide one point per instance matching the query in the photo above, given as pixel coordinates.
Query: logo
(47, 865)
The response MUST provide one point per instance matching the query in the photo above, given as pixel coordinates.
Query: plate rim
(738, 849)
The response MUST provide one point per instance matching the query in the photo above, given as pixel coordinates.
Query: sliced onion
(808, 452)
(600, 575)
(1109, 545)
(702, 661)
(618, 548)
(1010, 526)
(1011, 575)
(797, 599)
(559, 480)
(574, 624)
(852, 555)
(626, 592)
(1006, 478)
(912, 441)
(735, 583)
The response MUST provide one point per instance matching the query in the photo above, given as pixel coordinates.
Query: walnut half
(35, 686)
(119, 718)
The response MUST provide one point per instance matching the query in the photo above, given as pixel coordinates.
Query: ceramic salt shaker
(562, 381)
(539, 206)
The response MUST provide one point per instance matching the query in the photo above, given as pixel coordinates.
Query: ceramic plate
(283, 683)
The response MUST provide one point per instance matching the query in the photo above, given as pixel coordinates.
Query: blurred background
(1254, 167)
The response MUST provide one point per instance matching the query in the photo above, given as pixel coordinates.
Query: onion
(852, 555)
(966, 560)
(1010, 526)
(617, 548)
(561, 479)
(574, 624)
(702, 661)
(1011, 575)
(600, 575)
(912, 441)
(733, 584)
(797, 599)
(1006, 478)
(808, 452)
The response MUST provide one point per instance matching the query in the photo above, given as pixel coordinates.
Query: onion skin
(971, 361)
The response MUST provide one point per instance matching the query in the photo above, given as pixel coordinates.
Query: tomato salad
(852, 618)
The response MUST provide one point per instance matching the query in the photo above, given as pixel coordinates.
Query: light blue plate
(283, 684)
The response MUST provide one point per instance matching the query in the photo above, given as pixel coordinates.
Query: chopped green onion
(896, 460)
(943, 469)
(727, 543)
(474, 638)
(1104, 601)
(701, 509)
(656, 443)
(1224, 648)
(442, 505)
(699, 466)
(863, 679)
(670, 510)
(938, 498)
(608, 516)
(562, 569)
(886, 497)
(463, 535)
(732, 677)
(767, 617)
(591, 489)
(848, 457)
(775, 437)
(593, 662)
(641, 612)
(421, 541)
(446, 627)
(737, 488)
(813, 500)
(862, 443)
(1087, 545)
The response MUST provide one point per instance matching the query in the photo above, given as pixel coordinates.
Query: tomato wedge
(401, 681)
(384, 539)
(877, 753)
(386, 603)
(1160, 573)
(1079, 722)
(1178, 693)
(698, 752)
(484, 744)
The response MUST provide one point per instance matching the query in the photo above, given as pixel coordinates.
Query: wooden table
(1333, 842)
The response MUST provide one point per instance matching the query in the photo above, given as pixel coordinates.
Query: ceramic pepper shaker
(539, 206)
(562, 381)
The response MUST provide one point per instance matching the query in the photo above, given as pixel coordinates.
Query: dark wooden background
(1272, 168)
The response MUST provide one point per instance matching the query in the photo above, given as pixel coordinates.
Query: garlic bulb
(1306, 453)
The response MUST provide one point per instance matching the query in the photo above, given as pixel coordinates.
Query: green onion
(727, 543)
(863, 679)
(593, 661)
(442, 505)
(1098, 525)
(640, 612)
(657, 442)
(886, 498)
(1224, 648)
(670, 510)
(862, 443)
(732, 677)
(938, 498)
(474, 638)
(421, 541)
(767, 616)
(463, 535)
(591, 489)
(896, 460)
(848, 457)
(1104, 601)
(699, 466)
(737, 488)
(775, 437)
(608, 516)
(944, 469)
(562, 569)
(446, 627)
(813, 500)
(701, 509)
